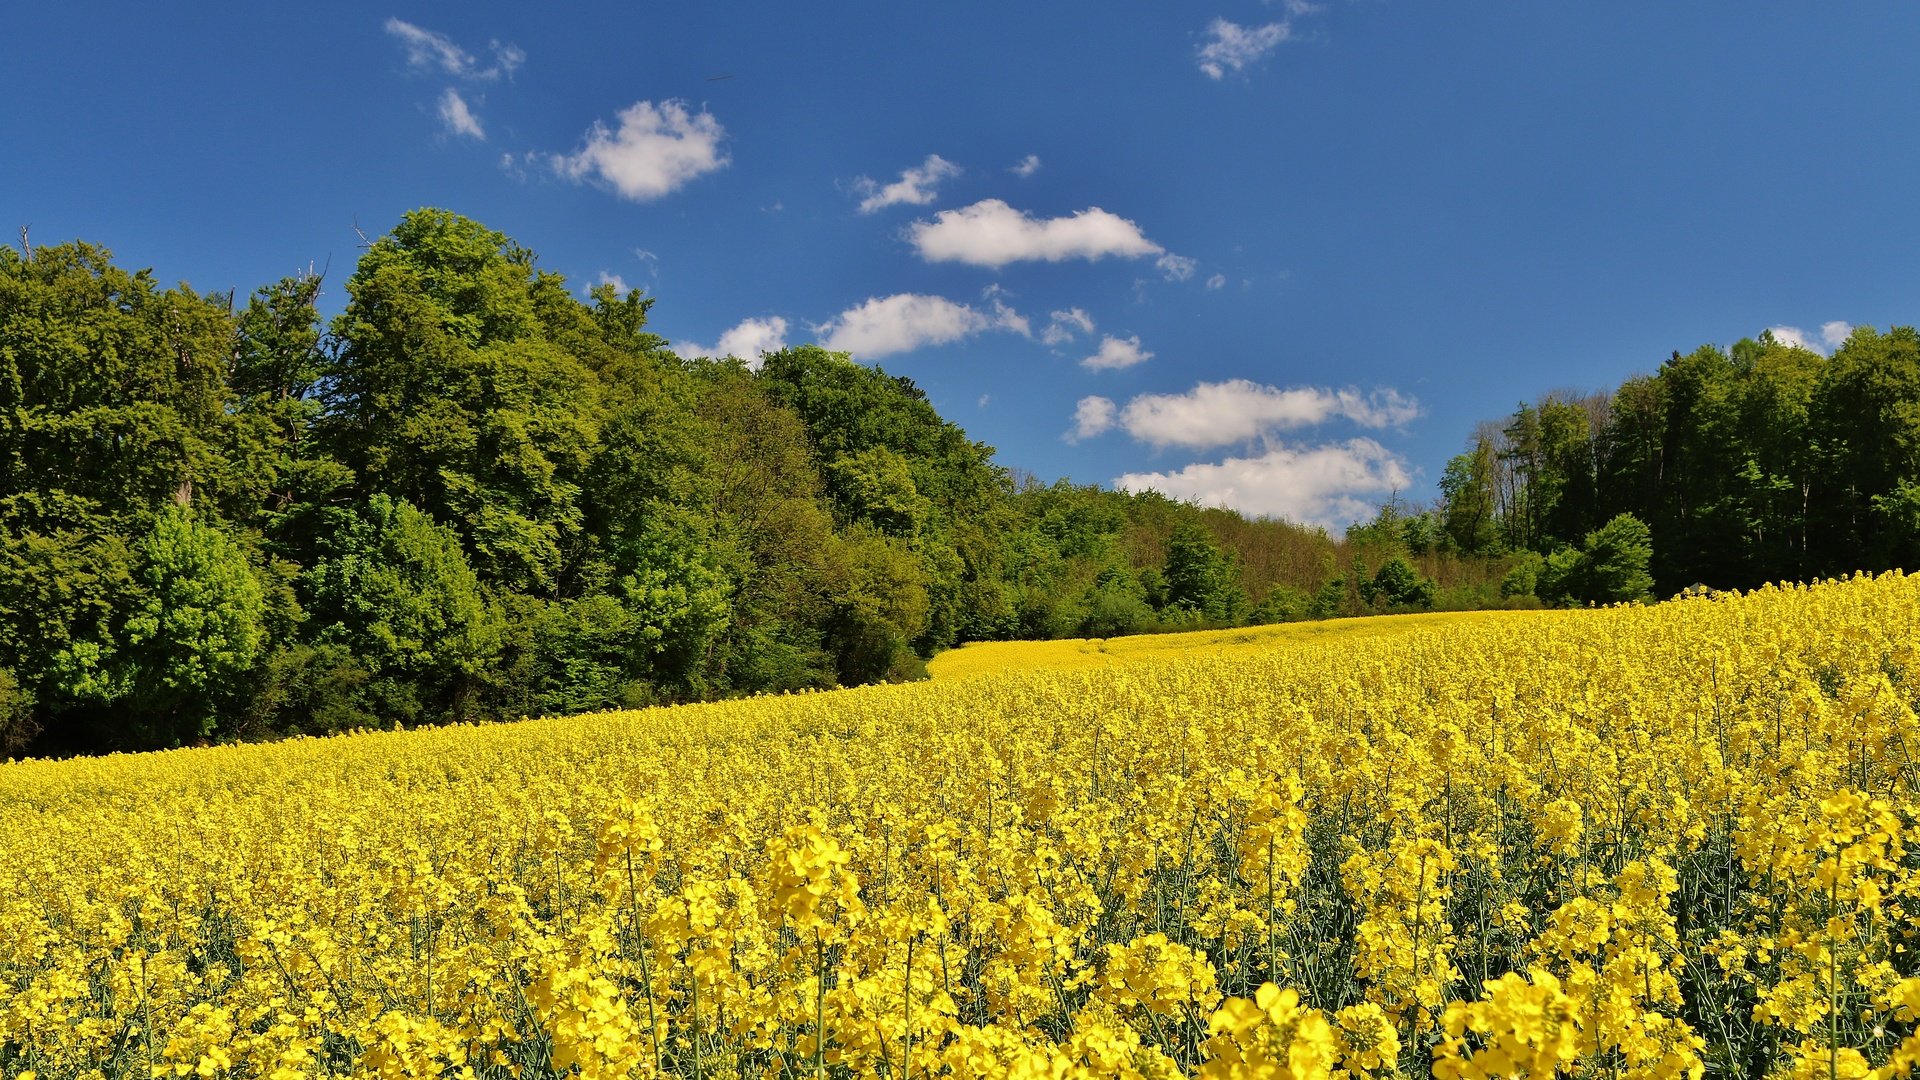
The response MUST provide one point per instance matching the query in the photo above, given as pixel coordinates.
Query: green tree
(197, 632)
(1615, 559)
(1398, 585)
(1466, 487)
(1523, 576)
(1115, 604)
(18, 725)
(395, 589)
(1200, 578)
(112, 393)
(876, 486)
(453, 388)
(678, 598)
(1610, 567)
(1865, 419)
(879, 607)
(64, 601)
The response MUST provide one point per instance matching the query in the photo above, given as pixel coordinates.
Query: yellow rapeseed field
(1638, 842)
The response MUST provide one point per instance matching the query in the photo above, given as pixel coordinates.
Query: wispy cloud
(1217, 281)
(1063, 325)
(458, 118)
(428, 50)
(1231, 47)
(1176, 267)
(917, 186)
(992, 234)
(656, 150)
(1026, 166)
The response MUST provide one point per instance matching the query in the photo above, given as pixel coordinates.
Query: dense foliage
(1640, 843)
(1762, 462)
(471, 495)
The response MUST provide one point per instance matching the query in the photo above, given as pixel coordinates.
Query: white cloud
(507, 58)
(991, 233)
(1117, 353)
(517, 166)
(1177, 267)
(1093, 416)
(1005, 318)
(1217, 281)
(429, 51)
(1062, 326)
(658, 148)
(1239, 410)
(1026, 166)
(884, 325)
(1832, 335)
(458, 117)
(1329, 485)
(1795, 337)
(915, 186)
(619, 283)
(746, 341)
(1230, 46)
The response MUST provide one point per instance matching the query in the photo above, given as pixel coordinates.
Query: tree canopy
(473, 494)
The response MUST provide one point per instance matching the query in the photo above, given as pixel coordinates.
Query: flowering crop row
(1637, 842)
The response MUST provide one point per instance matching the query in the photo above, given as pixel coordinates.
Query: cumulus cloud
(1240, 410)
(431, 51)
(1230, 46)
(747, 341)
(990, 233)
(656, 149)
(1117, 353)
(1026, 166)
(1832, 335)
(1328, 485)
(884, 325)
(1093, 416)
(458, 117)
(916, 186)
(1063, 325)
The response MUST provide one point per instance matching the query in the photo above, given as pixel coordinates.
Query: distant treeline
(1762, 462)
(473, 496)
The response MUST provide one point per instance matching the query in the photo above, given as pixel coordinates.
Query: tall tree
(395, 589)
(113, 393)
(198, 631)
(449, 390)
(1467, 486)
(1865, 420)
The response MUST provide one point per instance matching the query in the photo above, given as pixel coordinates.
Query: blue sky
(1278, 255)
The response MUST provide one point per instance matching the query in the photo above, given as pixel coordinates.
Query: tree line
(471, 495)
(1726, 468)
